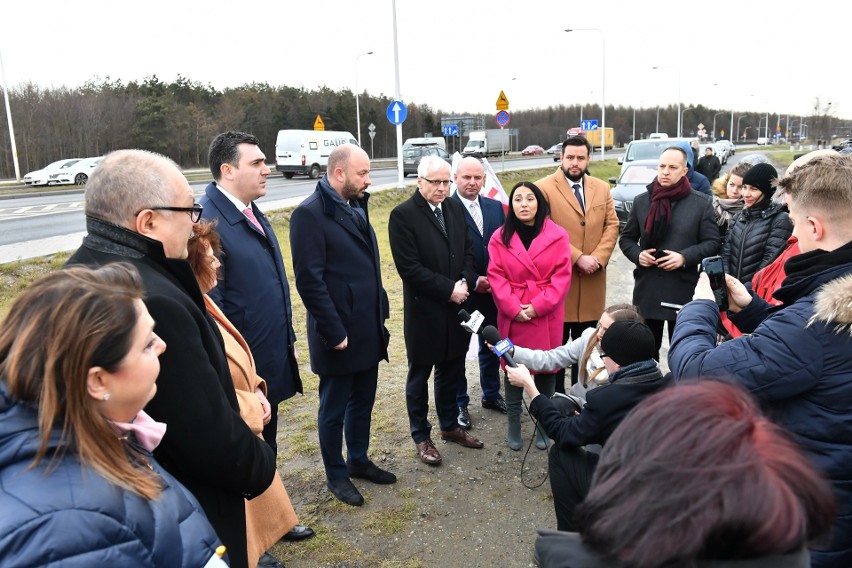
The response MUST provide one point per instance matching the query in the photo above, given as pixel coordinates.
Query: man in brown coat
(582, 205)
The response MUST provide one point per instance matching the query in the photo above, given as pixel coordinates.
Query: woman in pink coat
(529, 272)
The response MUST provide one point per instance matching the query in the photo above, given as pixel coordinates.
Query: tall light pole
(680, 120)
(737, 133)
(357, 106)
(714, 123)
(400, 183)
(9, 120)
(678, 94)
(603, 84)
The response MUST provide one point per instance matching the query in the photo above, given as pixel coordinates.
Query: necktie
(250, 216)
(440, 217)
(477, 215)
(579, 197)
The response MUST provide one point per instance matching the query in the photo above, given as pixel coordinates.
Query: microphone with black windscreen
(501, 346)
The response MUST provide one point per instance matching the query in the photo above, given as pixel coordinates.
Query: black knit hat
(628, 341)
(760, 176)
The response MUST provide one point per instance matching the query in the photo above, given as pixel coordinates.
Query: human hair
(696, 472)
(203, 235)
(823, 184)
(617, 312)
(679, 149)
(721, 184)
(56, 330)
(577, 141)
(223, 150)
(510, 226)
(431, 163)
(126, 181)
(339, 157)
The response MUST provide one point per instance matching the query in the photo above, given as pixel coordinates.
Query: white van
(427, 142)
(306, 151)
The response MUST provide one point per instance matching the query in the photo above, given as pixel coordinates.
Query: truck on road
(491, 142)
(594, 136)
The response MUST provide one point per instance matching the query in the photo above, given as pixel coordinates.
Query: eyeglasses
(446, 182)
(194, 211)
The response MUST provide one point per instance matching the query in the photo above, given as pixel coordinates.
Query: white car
(77, 173)
(42, 176)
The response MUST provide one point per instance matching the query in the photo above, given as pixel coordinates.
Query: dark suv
(411, 157)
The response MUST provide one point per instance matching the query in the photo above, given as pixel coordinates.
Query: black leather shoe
(372, 472)
(346, 492)
(268, 561)
(299, 532)
(497, 404)
(464, 418)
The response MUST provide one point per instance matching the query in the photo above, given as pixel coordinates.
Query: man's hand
(520, 377)
(482, 285)
(671, 261)
(460, 292)
(587, 264)
(646, 258)
(738, 296)
(343, 344)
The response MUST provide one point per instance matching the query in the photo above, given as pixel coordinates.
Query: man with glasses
(140, 210)
(433, 254)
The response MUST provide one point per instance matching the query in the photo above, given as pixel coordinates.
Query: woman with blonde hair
(270, 515)
(79, 485)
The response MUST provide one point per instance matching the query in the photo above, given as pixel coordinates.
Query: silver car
(633, 181)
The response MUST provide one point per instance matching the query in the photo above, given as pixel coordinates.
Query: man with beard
(338, 276)
(582, 205)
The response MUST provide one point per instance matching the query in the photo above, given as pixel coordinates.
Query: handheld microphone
(501, 346)
(471, 322)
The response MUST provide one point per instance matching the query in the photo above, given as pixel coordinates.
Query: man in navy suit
(484, 216)
(253, 291)
(339, 277)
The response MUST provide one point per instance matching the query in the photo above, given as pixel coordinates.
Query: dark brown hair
(696, 472)
(203, 234)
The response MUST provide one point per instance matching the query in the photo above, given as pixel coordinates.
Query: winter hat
(628, 341)
(761, 176)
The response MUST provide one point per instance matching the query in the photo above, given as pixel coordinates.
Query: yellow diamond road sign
(319, 124)
(502, 102)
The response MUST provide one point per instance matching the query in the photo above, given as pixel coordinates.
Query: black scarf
(806, 264)
(660, 213)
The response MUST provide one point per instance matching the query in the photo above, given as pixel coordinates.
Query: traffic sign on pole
(502, 102)
(451, 130)
(397, 112)
(589, 125)
(319, 124)
(502, 118)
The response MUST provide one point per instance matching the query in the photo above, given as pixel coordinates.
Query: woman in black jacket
(760, 230)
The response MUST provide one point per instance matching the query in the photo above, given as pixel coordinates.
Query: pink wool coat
(539, 276)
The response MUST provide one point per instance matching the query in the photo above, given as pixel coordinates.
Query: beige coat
(594, 234)
(269, 516)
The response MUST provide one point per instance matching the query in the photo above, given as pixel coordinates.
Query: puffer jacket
(754, 238)
(798, 362)
(63, 513)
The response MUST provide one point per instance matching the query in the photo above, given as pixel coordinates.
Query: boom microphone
(501, 346)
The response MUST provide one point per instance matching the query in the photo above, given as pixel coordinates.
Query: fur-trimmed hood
(833, 303)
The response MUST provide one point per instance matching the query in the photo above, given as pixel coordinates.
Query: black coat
(339, 277)
(709, 166)
(207, 447)
(429, 264)
(693, 233)
(754, 238)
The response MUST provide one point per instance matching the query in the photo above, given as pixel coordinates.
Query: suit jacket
(493, 217)
(429, 264)
(339, 277)
(207, 446)
(254, 293)
(693, 233)
(594, 233)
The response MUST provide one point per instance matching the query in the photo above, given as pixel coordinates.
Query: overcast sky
(454, 55)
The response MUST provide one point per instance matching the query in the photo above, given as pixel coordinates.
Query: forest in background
(180, 118)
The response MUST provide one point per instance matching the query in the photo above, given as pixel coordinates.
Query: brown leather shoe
(461, 437)
(428, 453)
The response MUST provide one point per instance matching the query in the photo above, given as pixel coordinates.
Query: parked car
(648, 149)
(532, 150)
(729, 146)
(42, 176)
(632, 182)
(77, 173)
(411, 157)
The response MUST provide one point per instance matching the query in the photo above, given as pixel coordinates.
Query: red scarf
(659, 214)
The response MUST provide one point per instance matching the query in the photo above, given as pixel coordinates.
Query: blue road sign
(451, 130)
(502, 118)
(589, 125)
(397, 112)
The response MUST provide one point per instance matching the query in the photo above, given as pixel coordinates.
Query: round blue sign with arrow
(502, 118)
(397, 112)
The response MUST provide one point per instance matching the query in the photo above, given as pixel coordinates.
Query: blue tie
(579, 197)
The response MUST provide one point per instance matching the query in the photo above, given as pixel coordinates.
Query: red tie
(250, 216)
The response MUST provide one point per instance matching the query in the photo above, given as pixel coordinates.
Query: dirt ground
(473, 510)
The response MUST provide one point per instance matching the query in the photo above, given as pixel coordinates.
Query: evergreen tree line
(179, 119)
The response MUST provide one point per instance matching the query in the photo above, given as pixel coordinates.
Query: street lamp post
(737, 133)
(603, 83)
(678, 95)
(9, 120)
(714, 124)
(680, 120)
(357, 106)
